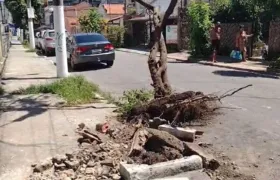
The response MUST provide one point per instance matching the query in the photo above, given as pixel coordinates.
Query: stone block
(181, 133)
(160, 170)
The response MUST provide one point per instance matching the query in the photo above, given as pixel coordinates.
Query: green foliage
(91, 22)
(74, 89)
(115, 34)
(131, 11)
(259, 12)
(133, 98)
(25, 44)
(199, 13)
(219, 5)
(275, 64)
(18, 9)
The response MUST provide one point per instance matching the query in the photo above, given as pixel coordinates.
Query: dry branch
(181, 107)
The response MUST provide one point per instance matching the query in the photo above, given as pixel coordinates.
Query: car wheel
(110, 63)
(48, 53)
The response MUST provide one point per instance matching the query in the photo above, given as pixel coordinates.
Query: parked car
(48, 42)
(89, 48)
(39, 39)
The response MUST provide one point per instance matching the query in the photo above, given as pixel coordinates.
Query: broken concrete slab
(160, 170)
(191, 175)
(208, 159)
(181, 133)
(173, 178)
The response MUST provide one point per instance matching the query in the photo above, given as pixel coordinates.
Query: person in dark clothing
(215, 36)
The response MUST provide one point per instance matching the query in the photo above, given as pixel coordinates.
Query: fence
(5, 44)
(274, 39)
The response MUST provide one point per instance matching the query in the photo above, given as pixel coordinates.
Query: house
(142, 26)
(72, 14)
(111, 11)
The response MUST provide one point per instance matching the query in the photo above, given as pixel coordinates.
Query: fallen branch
(234, 92)
(90, 136)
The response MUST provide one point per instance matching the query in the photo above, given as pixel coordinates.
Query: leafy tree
(115, 35)
(199, 13)
(92, 22)
(259, 12)
(18, 10)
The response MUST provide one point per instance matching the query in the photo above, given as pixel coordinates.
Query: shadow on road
(244, 74)
(32, 106)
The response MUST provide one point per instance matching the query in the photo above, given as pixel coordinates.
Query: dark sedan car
(85, 48)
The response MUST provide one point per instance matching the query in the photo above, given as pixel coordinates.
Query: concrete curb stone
(231, 67)
(160, 170)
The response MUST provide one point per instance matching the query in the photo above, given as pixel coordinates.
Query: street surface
(249, 134)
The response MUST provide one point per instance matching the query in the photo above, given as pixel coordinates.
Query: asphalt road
(248, 134)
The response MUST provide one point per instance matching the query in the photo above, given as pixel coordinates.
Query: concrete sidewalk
(252, 66)
(32, 127)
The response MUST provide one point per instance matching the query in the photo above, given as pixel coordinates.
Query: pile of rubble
(100, 155)
(97, 158)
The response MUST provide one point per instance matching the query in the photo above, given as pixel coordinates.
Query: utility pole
(60, 39)
(30, 14)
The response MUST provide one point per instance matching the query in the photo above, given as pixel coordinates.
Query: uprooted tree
(158, 68)
(176, 109)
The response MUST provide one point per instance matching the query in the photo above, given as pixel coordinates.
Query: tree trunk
(158, 69)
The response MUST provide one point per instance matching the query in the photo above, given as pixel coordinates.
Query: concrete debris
(209, 161)
(160, 170)
(159, 153)
(181, 133)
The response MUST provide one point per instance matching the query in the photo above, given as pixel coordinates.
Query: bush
(92, 21)
(199, 13)
(75, 90)
(275, 64)
(133, 98)
(115, 35)
(25, 44)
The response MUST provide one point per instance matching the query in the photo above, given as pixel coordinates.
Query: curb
(238, 68)
(2, 69)
(206, 63)
(145, 53)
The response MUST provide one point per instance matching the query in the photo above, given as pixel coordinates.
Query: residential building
(141, 23)
(111, 11)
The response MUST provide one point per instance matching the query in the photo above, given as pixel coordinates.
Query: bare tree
(158, 68)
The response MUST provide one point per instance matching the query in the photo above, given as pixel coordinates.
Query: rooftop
(114, 8)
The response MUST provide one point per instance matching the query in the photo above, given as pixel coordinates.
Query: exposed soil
(228, 170)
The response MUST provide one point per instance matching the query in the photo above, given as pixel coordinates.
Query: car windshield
(90, 38)
(52, 34)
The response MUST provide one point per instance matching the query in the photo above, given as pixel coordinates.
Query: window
(52, 34)
(89, 38)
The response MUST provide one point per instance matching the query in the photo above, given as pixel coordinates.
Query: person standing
(215, 36)
(241, 41)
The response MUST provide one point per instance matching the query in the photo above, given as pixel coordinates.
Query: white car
(48, 42)
(39, 39)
